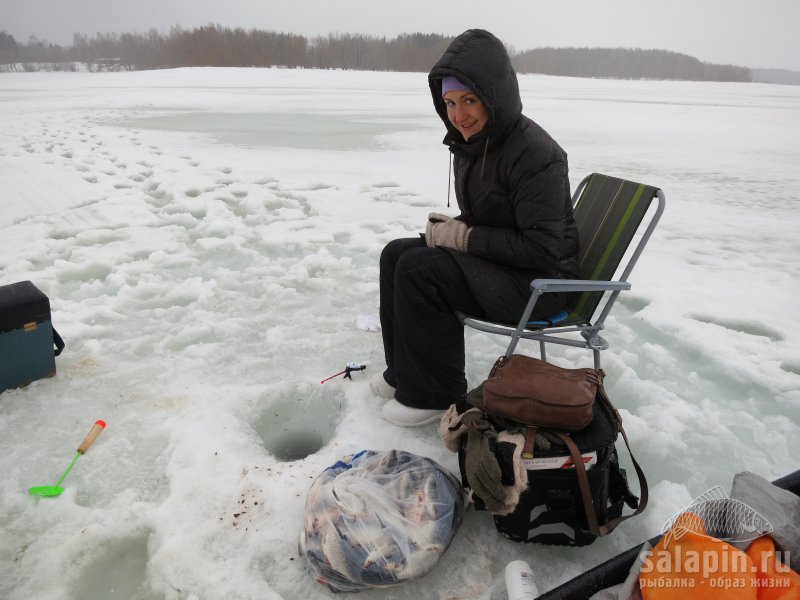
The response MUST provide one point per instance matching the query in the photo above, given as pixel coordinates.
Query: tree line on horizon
(215, 46)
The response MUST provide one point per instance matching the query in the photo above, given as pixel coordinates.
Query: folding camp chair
(608, 213)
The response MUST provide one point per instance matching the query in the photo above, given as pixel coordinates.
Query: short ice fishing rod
(348, 368)
(55, 490)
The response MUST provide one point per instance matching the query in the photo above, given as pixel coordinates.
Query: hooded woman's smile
(466, 112)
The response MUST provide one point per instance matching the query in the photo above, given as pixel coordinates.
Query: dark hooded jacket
(511, 184)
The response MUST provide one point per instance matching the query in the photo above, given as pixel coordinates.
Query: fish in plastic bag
(376, 519)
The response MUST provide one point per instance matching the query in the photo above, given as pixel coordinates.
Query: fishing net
(377, 519)
(721, 517)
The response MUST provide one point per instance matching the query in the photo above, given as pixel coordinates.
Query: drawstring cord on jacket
(483, 162)
(450, 169)
(449, 176)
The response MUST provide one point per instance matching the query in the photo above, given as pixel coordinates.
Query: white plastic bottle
(520, 582)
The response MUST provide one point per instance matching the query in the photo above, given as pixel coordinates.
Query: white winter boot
(406, 416)
(379, 387)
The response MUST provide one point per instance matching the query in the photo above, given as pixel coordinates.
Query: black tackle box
(28, 342)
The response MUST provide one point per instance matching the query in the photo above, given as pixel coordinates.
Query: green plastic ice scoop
(55, 490)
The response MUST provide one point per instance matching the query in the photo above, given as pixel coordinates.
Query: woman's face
(466, 112)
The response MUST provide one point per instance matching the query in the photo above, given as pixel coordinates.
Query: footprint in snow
(385, 184)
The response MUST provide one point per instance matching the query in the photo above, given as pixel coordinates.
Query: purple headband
(450, 84)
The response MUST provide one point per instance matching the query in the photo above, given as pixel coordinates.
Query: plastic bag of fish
(376, 519)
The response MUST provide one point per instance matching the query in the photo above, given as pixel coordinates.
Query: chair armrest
(577, 285)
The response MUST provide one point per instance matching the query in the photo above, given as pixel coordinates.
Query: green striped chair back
(608, 214)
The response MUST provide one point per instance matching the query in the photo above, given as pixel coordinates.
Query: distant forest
(215, 46)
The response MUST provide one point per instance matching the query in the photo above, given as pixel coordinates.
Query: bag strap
(583, 484)
(58, 342)
(643, 490)
(530, 441)
(583, 480)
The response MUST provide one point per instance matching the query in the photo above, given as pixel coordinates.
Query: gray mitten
(546, 438)
(483, 470)
(450, 233)
(433, 219)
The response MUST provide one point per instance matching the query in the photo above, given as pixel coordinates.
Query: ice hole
(295, 445)
(297, 427)
(118, 572)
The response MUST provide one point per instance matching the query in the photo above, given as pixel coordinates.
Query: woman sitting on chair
(515, 224)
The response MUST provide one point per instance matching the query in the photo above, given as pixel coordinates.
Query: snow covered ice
(209, 241)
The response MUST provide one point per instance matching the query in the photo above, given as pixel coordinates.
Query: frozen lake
(209, 241)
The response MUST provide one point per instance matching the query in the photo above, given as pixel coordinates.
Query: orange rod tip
(101, 423)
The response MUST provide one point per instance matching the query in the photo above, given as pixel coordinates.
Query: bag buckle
(530, 441)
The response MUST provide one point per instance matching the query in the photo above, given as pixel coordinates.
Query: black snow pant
(420, 288)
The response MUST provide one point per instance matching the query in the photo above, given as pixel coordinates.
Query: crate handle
(58, 342)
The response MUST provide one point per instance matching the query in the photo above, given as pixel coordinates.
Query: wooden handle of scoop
(96, 429)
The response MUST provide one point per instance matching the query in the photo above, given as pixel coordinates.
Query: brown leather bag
(539, 394)
(536, 393)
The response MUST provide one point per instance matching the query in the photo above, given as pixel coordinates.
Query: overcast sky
(754, 33)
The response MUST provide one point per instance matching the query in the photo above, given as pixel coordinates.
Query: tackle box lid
(22, 303)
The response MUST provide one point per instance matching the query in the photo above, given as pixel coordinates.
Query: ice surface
(209, 240)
